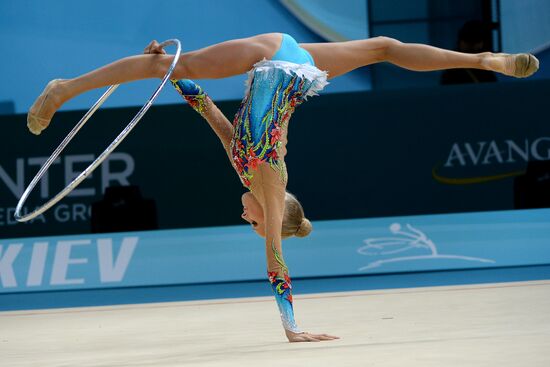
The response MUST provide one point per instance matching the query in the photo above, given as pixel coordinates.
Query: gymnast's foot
(43, 109)
(516, 65)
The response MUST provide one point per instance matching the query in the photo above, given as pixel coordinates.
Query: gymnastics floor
(491, 324)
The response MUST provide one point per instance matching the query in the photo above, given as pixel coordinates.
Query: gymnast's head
(294, 221)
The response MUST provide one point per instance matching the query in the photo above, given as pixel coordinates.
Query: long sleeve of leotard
(201, 102)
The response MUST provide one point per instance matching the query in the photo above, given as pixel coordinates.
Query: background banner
(357, 155)
(335, 248)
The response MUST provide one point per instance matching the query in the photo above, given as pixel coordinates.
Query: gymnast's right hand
(154, 48)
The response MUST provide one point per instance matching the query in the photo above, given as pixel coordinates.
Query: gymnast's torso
(273, 90)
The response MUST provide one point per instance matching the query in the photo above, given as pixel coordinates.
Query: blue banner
(223, 254)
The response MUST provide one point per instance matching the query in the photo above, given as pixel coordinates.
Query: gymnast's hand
(154, 48)
(308, 337)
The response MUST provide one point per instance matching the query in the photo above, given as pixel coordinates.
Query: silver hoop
(75, 182)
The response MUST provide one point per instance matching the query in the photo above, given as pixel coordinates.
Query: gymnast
(282, 74)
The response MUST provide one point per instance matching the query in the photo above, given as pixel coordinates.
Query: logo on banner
(505, 158)
(408, 244)
(116, 169)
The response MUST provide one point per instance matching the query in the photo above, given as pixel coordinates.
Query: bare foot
(43, 109)
(516, 65)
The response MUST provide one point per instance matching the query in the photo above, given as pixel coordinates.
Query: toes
(36, 124)
(525, 65)
(34, 127)
(533, 65)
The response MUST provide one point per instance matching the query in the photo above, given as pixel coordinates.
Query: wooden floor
(497, 325)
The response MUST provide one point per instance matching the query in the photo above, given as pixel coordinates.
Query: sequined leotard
(274, 89)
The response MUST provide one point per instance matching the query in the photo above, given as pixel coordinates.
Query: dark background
(350, 155)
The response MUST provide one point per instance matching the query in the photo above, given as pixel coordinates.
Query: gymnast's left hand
(308, 337)
(154, 48)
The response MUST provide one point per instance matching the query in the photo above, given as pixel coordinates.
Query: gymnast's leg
(218, 61)
(341, 57)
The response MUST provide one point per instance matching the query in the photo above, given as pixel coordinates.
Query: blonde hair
(294, 221)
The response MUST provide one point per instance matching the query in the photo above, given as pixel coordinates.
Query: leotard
(273, 90)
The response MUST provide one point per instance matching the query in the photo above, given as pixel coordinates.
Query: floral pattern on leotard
(192, 93)
(282, 287)
(275, 89)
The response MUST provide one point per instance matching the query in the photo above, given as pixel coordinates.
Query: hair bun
(305, 228)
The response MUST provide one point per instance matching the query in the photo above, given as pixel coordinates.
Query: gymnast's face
(253, 213)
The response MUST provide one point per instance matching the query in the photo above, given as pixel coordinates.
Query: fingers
(147, 49)
(306, 337)
(326, 337)
(312, 338)
(154, 48)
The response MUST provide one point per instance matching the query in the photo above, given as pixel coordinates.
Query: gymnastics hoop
(76, 181)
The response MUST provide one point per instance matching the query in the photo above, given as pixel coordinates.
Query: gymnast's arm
(201, 102)
(270, 191)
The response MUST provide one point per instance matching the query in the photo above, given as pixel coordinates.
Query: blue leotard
(274, 88)
(292, 52)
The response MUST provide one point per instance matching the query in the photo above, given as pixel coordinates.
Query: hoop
(75, 182)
